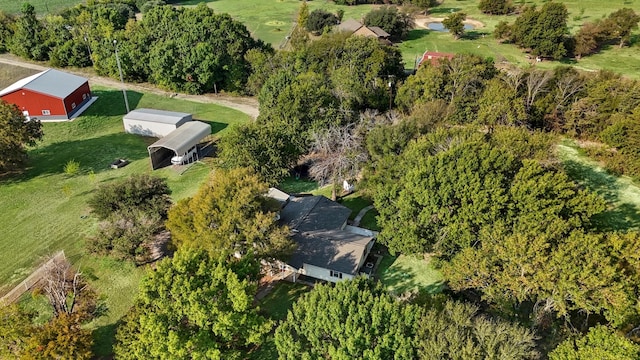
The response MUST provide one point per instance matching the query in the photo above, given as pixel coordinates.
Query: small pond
(437, 26)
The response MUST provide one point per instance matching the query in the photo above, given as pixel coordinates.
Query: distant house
(328, 249)
(50, 95)
(434, 57)
(354, 27)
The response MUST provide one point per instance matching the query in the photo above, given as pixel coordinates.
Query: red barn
(49, 95)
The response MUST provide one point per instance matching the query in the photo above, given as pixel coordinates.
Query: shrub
(319, 20)
(139, 192)
(496, 7)
(71, 167)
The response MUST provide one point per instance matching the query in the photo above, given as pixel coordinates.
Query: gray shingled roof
(318, 231)
(157, 116)
(50, 82)
(378, 31)
(338, 250)
(184, 137)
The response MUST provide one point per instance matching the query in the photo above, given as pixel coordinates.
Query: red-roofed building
(434, 57)
(49, 95)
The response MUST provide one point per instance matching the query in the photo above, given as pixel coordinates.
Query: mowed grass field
(42, 6)
(45, 210)
(621, 192)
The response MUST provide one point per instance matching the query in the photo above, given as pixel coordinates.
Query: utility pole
(124, 91)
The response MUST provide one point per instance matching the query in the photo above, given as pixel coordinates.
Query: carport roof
(156, 116)
(184, 137)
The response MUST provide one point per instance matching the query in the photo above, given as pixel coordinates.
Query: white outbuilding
(154, 123)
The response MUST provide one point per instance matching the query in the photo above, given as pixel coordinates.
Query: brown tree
(336, 154)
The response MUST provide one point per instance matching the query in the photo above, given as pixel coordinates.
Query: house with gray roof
(328, 249)
(354, 27)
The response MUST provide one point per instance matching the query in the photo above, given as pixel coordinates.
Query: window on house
(84, 96)
(73, 105)
(335, 274)
(46, 112)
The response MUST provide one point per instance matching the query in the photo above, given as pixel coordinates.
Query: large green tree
(455, 24)
(230, 214)
(458, 331)
(354, 319)
(192, 307)
(389, 19)
(15, 135)
(599, 343)
(27, 40)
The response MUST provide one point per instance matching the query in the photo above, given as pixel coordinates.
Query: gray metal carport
(177, 142)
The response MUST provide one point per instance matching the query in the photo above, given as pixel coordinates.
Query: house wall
(322, 273)
(76, 98)
(35, 102)
(147, 128)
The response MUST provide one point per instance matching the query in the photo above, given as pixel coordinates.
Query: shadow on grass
(443, 10)
(94, 155)
(111, 103)
(417, 34)
(280, 300)
(103, 339)
(621, 215)
(216, 127)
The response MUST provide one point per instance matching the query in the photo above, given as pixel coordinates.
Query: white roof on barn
(183, 138)
(156, 116)
(51, 82)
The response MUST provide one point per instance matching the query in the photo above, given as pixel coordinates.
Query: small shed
(50, 95)
(180, 142)
(154, 123)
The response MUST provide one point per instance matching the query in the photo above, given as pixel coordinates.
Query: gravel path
(247, 105)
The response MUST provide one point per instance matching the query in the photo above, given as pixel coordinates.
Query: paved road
(247, 105)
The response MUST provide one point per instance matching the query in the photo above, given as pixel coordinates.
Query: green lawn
(42, 6)
(44, 210)
(621, 193)
(281, 298)
(409, 273)
(272, 20)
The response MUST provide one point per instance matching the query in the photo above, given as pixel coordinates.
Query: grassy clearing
(481, 42)
(272, 20)
(278, 302)
(42, 7)
(621, 193)
(408, 273)
(44, 209)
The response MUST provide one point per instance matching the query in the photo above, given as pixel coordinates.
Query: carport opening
(160, 157)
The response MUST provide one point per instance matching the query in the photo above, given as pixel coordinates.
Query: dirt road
(247, 105)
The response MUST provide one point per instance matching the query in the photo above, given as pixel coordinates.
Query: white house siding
(323, 274)
(146, 128)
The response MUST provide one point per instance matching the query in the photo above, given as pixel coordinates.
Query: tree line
(193, 50)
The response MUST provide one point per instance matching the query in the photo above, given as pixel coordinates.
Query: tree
(455, 23)
(319, 20)
(192, 307)
(230, 214)
(496, 7)
(599, 343)
(15, 330)
(424, 5)
(27, 40)
(138, 192)
(498, 105)
(543, 31)
(354, 319)
(63, 337)
(6, 30)
(337, 154)
(620, 23)
(389, 19)
(15, 135)
(458, 329)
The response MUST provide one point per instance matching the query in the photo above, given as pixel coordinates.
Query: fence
(28, 283)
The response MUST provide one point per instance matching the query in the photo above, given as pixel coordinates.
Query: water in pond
(437, 26)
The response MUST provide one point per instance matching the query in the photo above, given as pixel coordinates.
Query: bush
(71, 167)
(319, 20)
(126, 235)
(496, 7)
(139, 192)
